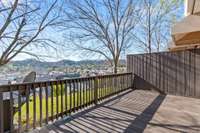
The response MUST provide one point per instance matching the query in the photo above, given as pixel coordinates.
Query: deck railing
(30, 105)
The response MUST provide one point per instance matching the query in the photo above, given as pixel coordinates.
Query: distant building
(67, 76)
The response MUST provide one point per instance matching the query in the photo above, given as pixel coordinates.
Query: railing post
(96, 90)
(1, 113)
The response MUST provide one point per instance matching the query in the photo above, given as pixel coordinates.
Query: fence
(34, 104)
(176, 73)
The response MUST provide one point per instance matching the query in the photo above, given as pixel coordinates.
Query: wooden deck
(134, 111)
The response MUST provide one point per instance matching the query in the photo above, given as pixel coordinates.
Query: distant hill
(44, 64)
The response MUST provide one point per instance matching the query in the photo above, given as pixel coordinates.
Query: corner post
(1, 113)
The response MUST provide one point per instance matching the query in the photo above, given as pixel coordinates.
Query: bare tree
(153, 30)
(21, 25)
(101, 26)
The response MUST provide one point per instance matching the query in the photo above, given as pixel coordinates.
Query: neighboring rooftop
(186, 33)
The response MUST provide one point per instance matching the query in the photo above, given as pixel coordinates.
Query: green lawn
(89, 95)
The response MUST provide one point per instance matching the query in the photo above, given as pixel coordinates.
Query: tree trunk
(115, 69)
(115, 64)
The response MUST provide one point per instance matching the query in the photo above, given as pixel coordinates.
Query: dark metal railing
(29, 105)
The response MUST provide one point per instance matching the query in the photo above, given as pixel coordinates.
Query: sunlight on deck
(134, 111)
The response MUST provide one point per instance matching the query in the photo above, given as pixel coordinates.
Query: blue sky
(63, 53)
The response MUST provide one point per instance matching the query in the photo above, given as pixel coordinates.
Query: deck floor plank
(135, 112)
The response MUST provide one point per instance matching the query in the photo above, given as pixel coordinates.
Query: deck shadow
(57, 126)
(150, 111)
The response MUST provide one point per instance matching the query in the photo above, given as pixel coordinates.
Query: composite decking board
(134, 111)
(175, 73)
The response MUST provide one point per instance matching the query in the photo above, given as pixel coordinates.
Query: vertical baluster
(103, 87)
(131, 81)
(100, 89)
(80, 92)
(34, 106)
(61, 84)
(19, 110)
(84, 92)
(128, 84)
(107, 80)
(126, 77)
(89, 89)
(47, 102)
(96, 86)
(40, 99)
(11, 110)
(66, 96)
(117, 81)
(109, 84)
(127, 80)
(120, 82)
(74, 96)
(70, 95)
(86, 88)
(123, 82)
(57, 102)
(103, 80)
(93, 85)
(77, 93)
(113, 83)
(27, 106)
(92, 82)
(52, 101)
(105, 90)
(120, 78)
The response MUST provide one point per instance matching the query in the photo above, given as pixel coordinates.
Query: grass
(89, 96)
